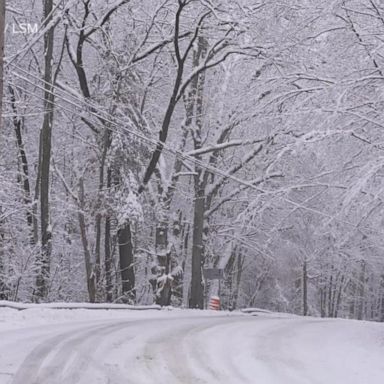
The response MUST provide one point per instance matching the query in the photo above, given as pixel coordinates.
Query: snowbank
(23, 306)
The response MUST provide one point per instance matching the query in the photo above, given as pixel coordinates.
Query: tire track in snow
(170, 351)
(65, 357)
(180, 356)
(57, 360)
(200, 349)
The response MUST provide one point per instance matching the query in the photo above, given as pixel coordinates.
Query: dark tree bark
(305, 288)
(126, 261)
(4, 290)
(163, 286)
(361, 292)
(84, 239)
(197, 292)
(35, 203)
(43, 262)
(381, 314)
(107, 251)
(106, 143)
(339, 295)
(24, 179)
(330, 291)
(322, 302)
(239, 271)
(166, 197)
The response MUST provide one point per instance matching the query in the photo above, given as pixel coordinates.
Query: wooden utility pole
(42, 279)
(3, 294)
(2, 42)
(200, 182)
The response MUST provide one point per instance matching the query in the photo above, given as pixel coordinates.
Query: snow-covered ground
(42, 345)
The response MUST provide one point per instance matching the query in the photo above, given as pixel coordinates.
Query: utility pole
(2, 42)
(3, 294)
(43, 262)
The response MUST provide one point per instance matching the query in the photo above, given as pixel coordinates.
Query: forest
(145, 141)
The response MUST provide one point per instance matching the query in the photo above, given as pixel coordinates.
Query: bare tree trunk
(106, 144)
(4, 291)
(36, 197)
(108, 261)
(305, 288)
(239, 271)
(197, 293)
(323, 294)
(84, 239)
(352, 303)
(43, 262)
(339, 295)
(322, 302)
(24, 179)
(333, 295)
(126, 261)
(382, 299)
(163, 289)
(98, 249)
(329, 296)
(361, 292)
(107, 250)
(162, 229)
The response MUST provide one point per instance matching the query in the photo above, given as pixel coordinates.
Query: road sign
(213, 273)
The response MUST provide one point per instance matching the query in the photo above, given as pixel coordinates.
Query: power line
(117, 122)
(123, 125)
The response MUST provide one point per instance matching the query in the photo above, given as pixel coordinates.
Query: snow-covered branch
(221, 146)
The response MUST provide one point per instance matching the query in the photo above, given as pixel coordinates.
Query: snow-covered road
(68, 347)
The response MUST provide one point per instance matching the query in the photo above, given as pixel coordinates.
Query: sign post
(213, 274)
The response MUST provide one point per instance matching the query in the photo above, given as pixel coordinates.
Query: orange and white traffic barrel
(214, 303)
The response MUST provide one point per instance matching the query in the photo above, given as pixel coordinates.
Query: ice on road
(83, 346)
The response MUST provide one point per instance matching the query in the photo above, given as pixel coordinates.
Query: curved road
(185, 349)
